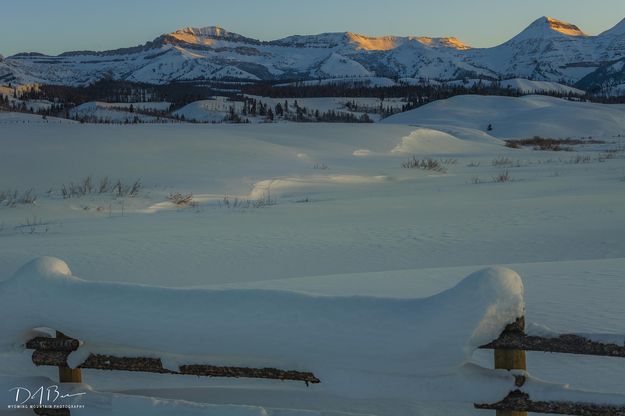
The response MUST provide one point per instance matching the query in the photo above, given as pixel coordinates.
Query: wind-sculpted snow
(444, 140)
(332, 336)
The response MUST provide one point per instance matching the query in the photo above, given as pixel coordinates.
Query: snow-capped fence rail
(515, 339)
(509, 351)
(519, 403)
(55, 351)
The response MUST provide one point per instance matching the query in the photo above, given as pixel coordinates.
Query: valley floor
(326, 209)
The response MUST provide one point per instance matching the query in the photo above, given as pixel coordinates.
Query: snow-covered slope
(214, 110)
(547, 50)
(337, 65)
(529, 87)
(522, 117)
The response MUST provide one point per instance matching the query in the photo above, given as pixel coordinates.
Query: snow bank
(291, 186)
(434, 141)
(332, 336)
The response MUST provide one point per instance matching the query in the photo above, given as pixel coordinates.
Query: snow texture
(289, 330)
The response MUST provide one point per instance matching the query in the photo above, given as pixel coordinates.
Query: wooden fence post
(66, 374)
(511, 360)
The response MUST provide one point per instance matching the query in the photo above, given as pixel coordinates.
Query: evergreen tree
(279, 111)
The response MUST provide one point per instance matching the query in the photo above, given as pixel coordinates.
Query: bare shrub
(7, 198)
(474, 165)
(264, 201)
(27, 197)
(502, 177)
(181, 199)
(609, 155)
(105, 186)
(135, 188)
(425, 164)
(576, 160)
(34, 225)
(513, 144)
(243, 203)
(502, 161)
(13, 198)
(555, 145)
(120, 188)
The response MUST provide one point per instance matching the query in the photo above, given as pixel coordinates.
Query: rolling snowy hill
(547, 50)
(523, 117)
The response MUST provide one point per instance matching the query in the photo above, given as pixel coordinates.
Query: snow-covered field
(327, 210)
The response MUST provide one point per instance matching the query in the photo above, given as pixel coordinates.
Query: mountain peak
(618, 29)
(565, 28)
(546, 27)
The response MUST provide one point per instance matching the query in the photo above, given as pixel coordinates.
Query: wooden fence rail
(509, 352)
(520, 402)
(54, 352)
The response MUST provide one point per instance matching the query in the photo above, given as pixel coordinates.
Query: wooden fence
(55, 351)
(509, 353)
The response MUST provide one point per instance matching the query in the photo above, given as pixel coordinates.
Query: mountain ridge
(547, 49)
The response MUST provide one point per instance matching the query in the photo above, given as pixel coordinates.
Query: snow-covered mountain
(547, 50)
(551, 50)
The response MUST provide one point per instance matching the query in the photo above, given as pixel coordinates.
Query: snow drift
(442, 140)
(332, 336)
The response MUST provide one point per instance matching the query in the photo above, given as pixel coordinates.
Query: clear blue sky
(55, 26)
